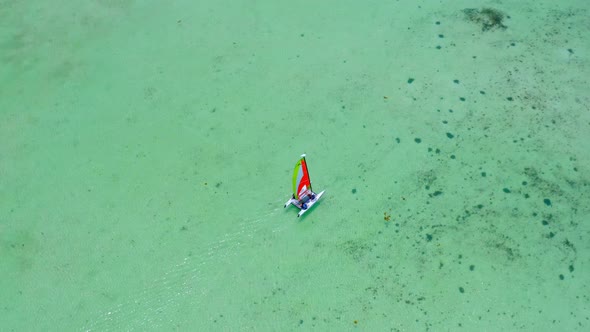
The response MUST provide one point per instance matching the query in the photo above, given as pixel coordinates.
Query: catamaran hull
(309, 203)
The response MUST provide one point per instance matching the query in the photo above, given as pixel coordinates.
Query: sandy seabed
(147, 148)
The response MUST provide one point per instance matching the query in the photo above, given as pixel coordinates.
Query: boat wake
(185, 283)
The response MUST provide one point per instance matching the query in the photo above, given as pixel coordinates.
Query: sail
(301, 182)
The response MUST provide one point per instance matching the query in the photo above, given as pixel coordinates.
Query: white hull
(309, 203)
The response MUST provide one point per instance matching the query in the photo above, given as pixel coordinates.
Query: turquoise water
(146, 151)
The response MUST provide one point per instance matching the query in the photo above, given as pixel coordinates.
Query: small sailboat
(303, 196)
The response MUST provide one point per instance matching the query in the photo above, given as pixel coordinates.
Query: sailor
(309, 196)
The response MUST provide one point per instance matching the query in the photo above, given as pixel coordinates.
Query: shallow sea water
(147, 149)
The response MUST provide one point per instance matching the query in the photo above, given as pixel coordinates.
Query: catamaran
(303, 197)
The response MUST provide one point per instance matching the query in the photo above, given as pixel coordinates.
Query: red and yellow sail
(301, 182)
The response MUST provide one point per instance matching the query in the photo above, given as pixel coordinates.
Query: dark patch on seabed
(488, 18)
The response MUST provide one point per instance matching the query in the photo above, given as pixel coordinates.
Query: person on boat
(308, 196)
